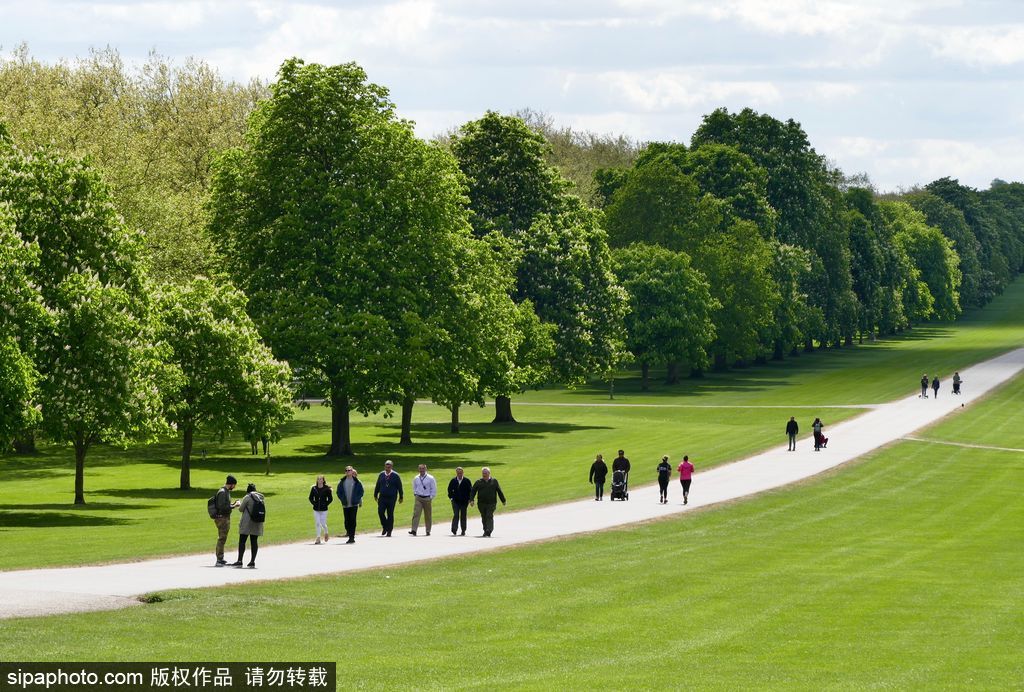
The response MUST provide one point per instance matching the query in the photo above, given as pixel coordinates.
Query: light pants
(321, 522)
(422, 504)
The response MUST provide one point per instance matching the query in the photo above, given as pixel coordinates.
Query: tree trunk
(186, 457)
(503, 410)
(455, 418)
(341, 433)
(672, 377)
(25, 444)
(81, 447)
(407, 404)
(645, 369)
(778, 353)
(720, 363)
(808, 345)
(849, 340)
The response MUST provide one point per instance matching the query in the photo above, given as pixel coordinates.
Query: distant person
(350, 495)
(253, 513)
(387, 491)
(459, 492)
(486, 493)
(685, 477)
(222, 516)
(664, 473)
(320, 497)
(935, 386)
(598, 475)
(956, 382)
(924, 386)
(266, 444)
(621, 463)
(792, 429)
(818, 437)
(424, 490)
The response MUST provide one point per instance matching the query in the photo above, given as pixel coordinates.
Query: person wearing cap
(385, 493)
(459, 492)
(621, 463)
(224, 505)
(424, 490)
(486, 493)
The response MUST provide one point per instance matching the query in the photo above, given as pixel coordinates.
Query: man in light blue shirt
(424, 488)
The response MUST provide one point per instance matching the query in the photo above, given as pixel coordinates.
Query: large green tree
(339, 224)
(933, 257)
(225, 380)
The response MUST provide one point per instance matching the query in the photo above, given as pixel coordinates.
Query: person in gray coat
(251, 524)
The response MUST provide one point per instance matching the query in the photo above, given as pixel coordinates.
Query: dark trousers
(663, 485)
(386, 512)
(792, 441)
(253, 546)
(598, 489)
(936, 390)
(223, 524)
(350, 520)
(487, 514)
(685, 482)
(458, 516)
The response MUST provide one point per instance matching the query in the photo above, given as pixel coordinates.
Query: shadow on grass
(38, 520)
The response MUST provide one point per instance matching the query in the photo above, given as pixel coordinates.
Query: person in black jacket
(486, 493)
(320, 497)
(598, 474)
(459, 491)
(664, 473)
(385, 493)
(621, 463)
(791, 430)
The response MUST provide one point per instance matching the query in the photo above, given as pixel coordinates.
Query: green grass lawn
(543, 459)
(903, 570)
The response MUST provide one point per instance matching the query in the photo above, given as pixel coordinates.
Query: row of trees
(91, 350)
(386, 269)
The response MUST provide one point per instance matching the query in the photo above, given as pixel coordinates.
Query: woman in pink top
(685, 476)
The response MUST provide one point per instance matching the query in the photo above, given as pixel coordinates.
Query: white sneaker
(317, 541)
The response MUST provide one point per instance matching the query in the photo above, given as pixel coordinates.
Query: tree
(227, 380)
(950, 220)
(670, 305)
(338, 224)
(99, 368)
(934, 259)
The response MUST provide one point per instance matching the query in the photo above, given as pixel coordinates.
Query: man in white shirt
(424, 488)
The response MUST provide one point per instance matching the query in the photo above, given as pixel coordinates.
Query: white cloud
(664, 90)
(981, 46)
(176, 16)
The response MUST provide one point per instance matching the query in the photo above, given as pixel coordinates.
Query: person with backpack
(320, 497)
(253, 509)
(219, 508)
(819, 437)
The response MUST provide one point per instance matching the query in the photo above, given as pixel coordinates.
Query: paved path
(33, 592)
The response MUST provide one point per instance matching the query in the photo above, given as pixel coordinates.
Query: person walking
(924, 386)
(956, 382)
(935, 386)
(253, 511)
(664, 473)
(320, 496)
(486, 493)
(222, 516)
(385, 493)
(817, 426)
(598, 474)
(685, 477)
(350, 495)
(459, 492)
(424, 490)
(792, 429)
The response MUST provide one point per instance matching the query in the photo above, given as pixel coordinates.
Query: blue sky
(904, 90)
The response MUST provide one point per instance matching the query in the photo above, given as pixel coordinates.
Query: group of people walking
(599, 475)
(388, 492)
(793, 429)
(957, 381)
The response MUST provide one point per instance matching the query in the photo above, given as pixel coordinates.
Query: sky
(905, 91)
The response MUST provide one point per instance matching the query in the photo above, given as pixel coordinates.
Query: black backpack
(257, 510)
(211, 506)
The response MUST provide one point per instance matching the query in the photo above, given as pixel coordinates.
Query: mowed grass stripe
(902, 570)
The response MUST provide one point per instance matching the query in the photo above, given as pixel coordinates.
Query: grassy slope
(544, 459)
(904, 570)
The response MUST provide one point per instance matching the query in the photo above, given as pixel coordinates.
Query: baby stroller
(820, 440)
(620, 485)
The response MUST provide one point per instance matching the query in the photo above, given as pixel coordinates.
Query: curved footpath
(47, 591)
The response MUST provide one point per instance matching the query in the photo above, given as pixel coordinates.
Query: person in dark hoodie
(320, 496)
(598, 474)
(664, 474)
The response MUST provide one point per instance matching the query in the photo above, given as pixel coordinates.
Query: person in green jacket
(486, 493)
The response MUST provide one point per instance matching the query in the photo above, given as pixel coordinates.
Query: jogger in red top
(685, 476)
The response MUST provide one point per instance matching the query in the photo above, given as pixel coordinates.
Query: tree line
(304, 222)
